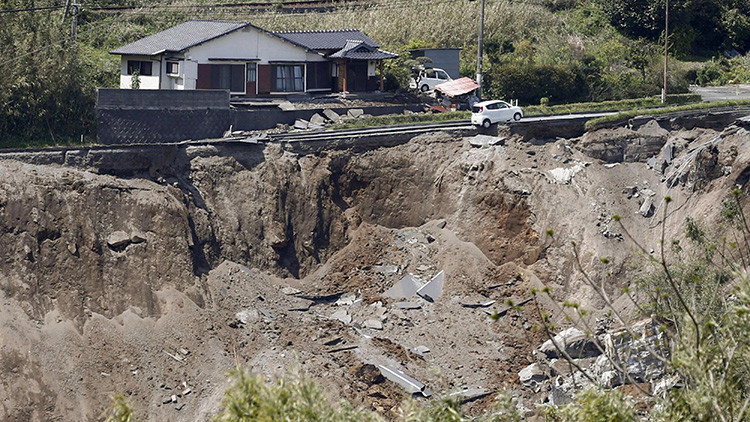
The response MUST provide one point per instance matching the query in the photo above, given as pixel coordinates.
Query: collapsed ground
(151, 274)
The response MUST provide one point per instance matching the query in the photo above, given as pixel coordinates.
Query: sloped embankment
(150, 272)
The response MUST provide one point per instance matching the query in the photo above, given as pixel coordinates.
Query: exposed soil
(152, 275)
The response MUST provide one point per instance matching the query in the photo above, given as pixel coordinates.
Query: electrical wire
(29, 9)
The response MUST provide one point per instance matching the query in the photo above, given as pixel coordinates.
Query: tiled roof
(326, 40)
(180, 37)
(358, 50)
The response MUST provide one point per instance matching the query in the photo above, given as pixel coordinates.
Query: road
(721, 93)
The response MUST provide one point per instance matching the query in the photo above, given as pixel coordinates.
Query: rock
(610, 379)
(574, 342)
(485, 141)
(385, 269)
(373, 324)
(342, 316)
(332, 115)
(563, 175)
(532, 375)
(355, 112)
(72, 248)
(647, 208)
(317, 120)
(290, 290)
(301, 124)
(137, 237)
(118, 239)
(247, 316)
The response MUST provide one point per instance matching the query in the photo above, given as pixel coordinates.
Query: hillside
(151, 272)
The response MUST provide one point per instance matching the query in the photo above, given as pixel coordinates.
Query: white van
(428, 78)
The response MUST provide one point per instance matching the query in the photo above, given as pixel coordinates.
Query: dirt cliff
(150, 272)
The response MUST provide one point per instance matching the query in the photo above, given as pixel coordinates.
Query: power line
(30, 9)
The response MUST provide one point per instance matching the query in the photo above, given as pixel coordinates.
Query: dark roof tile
(180, 37)
(326, 40)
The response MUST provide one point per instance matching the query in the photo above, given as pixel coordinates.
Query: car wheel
(486, 123)
(424, 88)
(517, 116)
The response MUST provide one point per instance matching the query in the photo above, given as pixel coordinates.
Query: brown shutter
(204, 77)
(264, 79)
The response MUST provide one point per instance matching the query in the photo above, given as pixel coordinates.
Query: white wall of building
(147, 82)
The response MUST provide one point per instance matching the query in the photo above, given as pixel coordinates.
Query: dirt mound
(152, 278)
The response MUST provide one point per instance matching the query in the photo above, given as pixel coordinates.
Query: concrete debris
(343, 348)
(184, 351)
(176, 356)
(355, 112)
(470, 394)
(406, 382)
(486, 140)
(267, 314)
(564, 176)
(421, 350)
(317, 120)
(385, 269)
(373, 324)
(408, 305)
(342, 316)
(290, 291)
(482, 304)
(118, 239)
(247, 316)
(286, 106)
(572, 341)
(404, 289)
(532, 375)
(179, 406)
(301, 124)
(346, 299)
(647, 208)
(434, 288)
(331, 115)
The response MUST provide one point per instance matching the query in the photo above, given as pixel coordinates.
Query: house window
(173, 68)
(142, 67)
(252, 72)
(228, 76)
(289, 78)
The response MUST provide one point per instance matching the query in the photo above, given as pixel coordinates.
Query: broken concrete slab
(572, 341)
(486, 141)
(331, 115)
(385, 269)
(266, 313)
(481, 303)
(355, 112)
(286, 106)
(317, 120)
(342, 316)
(406, 382)
(137, 237)
(374, 324)
(434, 288)
(301, 124)
(404, 289)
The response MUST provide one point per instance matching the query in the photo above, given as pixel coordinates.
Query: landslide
(151, 272)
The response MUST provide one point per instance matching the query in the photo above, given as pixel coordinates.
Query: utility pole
(666, 49)
(480, 49)
(74, 21)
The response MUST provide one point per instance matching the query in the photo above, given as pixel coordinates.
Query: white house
(250, 61)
